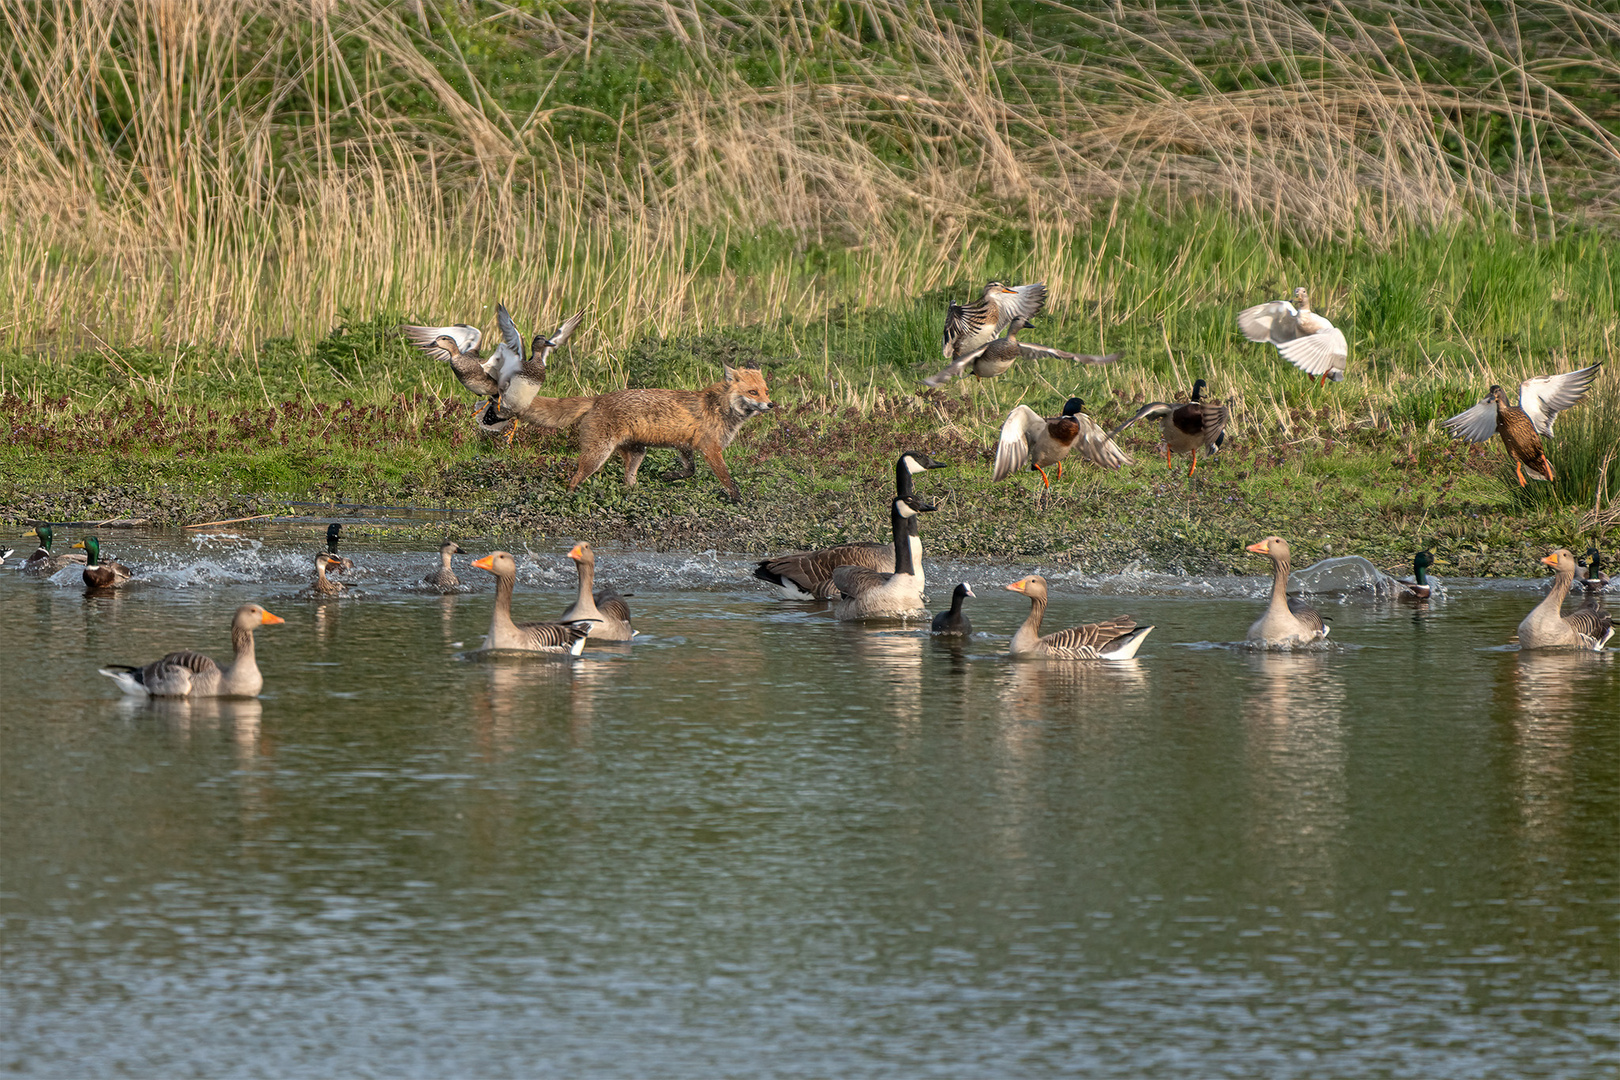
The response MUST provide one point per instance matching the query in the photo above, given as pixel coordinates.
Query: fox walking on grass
(631, 421)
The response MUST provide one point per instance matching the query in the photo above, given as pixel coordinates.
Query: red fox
(630, 421)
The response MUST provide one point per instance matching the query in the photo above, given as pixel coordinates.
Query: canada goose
(1187, 428)
(974, 325)
(334, 533)
(1418, 588)
(607, 612)
(808, 576)
(46, 561)
(5, 553)
(98, 574)
(1305, 339)
(1522, 426)
(868, 594)
(953, 621)
(323, 585)
(1547, 627)
(191, 674)
(1287, 621)
(542, 637)
(1116, 639)
(1028, 437)
(1593, 580)
(444, 579)
(994, 357)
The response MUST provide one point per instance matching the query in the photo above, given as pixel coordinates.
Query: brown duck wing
(813, 571)
(1091, 638)
(1306, 614)
(968, 327)
(1520, 438)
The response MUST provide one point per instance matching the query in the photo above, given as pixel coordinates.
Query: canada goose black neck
(1198, 390)
(334, 533)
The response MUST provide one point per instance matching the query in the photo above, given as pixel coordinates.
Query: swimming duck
(606, 612)
(808, 576)
(46, 561)
(191, 674)
(868, 594)
(444, 579)
(1305, 339)
(1287, 621)
(324, 586)
(972, 326)
(565, 639)
(98, 574)
(1547, 627)
(1116, 639)
(1187, 428)
(1591, 576)
(994, 357)
(1029, 438)
(953, 622)
(1522, 426)
(1418, 588)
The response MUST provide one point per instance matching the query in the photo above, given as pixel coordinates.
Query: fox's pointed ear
(731, 372)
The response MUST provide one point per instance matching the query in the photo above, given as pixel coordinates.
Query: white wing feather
(1543, 398)
(423, 337)
(1012, 449)
(1257, 322)
(1319, 353)
(1476, 424)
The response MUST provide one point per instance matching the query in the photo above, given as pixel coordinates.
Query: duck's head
(1422, 561)
(1302, 299)
(499, 563)
(1074, 407)
(92, 550)
(1496, 394)
(44, 534)
(1274, 547)
(1018, 324)
(1593, 559)
(1198, 389)
(995, 288)
(448, 344)
(1033, 587)
(450, 547)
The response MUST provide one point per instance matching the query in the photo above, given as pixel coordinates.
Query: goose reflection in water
(520, 690)
(188, 717)
(1295, 763)
(898, 658)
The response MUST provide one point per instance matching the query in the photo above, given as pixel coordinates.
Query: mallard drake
(1522, 426)
(334, 533)
(1287, 621)
(953, 622)
(974, 325)
(1418, 588)
(98, 574)
(808, 576)
(566, 639)
(868, 594)
(46, 561)
(327, 562)
(1591, 576)
(994, 357)
(606, 611)
(444, 579)
(1028, 438)
(1547, 627)
(1187, 427)
(191, 674)
(1116, 639)
(1305, 339)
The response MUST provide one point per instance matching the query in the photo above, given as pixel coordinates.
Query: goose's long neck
(907, 544)
(902, 480)
(1030, 632)
(242, 646)
(1560, 589)
(1279, 584)
(502, 618)
(585, 602)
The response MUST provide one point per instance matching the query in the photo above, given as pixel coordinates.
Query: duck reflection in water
(1295, 764)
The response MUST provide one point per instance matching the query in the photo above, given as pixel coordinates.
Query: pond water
(757, 842)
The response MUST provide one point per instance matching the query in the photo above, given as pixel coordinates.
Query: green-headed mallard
(99, 574)
(46, 561)
(1418, 588)
(1036, 441)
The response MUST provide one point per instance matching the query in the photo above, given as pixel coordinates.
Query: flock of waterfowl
(885, 581)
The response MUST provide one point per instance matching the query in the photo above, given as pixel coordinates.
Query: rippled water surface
(760, 843)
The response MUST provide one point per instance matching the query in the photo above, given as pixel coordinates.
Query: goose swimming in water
(1287, 620)
(444, 578)
(1116, 639)
(1547, 627)
(191, 674)
(562, 639)
(606, 611)
(868, 594)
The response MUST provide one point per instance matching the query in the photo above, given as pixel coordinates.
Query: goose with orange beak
(1288, 620)
(562, 638)
(1547, 627)
(1116, 639)
(191, 674)
(607, 610)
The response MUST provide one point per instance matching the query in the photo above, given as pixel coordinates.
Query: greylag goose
(1028, 438)
(1187, 427)
(1418, 588)
(1116, 639)
(98, 574)
(605, 610)
(323, 585)
(808, 576)
(1287, 621)
(444, 578)
(1522, 426)
(994, 357)
(1547, 627)
(46, 561)
(191, 674)
(1305, 339)
(868, 594)
(972, 326)
(953, 622)
(566, 639)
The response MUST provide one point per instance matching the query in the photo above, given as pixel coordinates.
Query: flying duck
(1522, 426)
(1039, 441)
(1187, 427)
(1305, 339)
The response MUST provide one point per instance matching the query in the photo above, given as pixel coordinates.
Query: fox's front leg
(717, 461)
(687, 467)
(593, 455)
